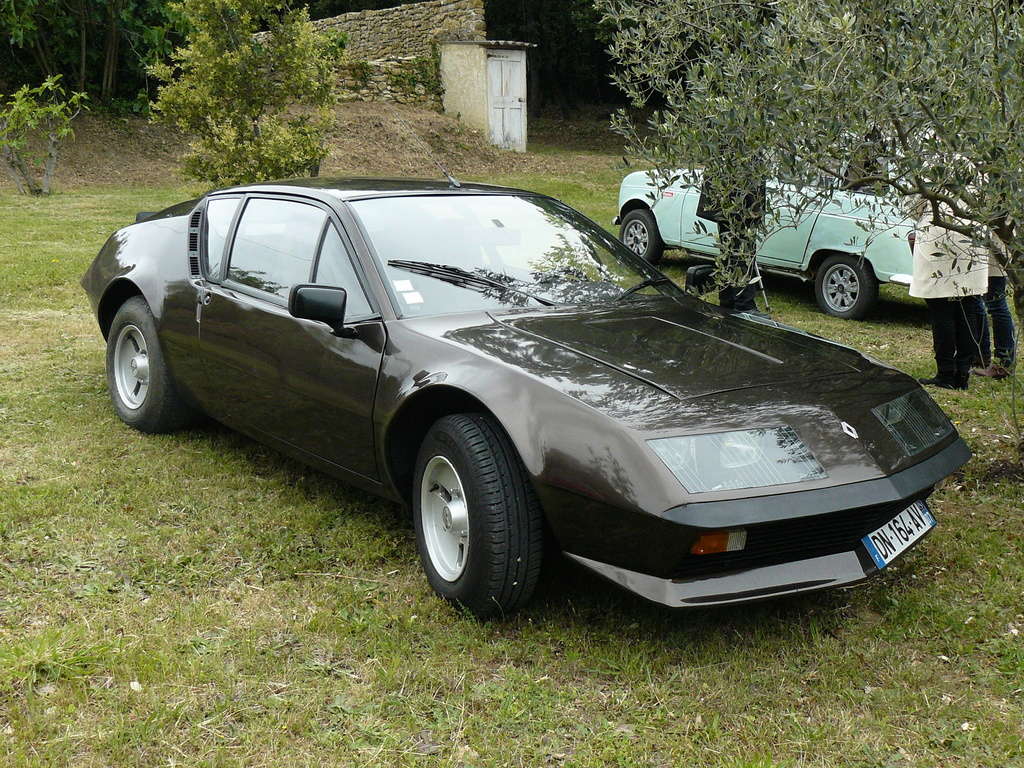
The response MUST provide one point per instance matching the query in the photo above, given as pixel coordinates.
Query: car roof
(359, 188)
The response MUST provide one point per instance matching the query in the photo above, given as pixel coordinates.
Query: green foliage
(34, 122)
(421, 72)
(334, 42)
(907, 98)
(255, 102)
(102, 46)
(358, 71)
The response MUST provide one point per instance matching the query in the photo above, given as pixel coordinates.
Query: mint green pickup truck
(847, 245)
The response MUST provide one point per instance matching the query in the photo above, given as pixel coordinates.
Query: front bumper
(837, 559)
(839, 570)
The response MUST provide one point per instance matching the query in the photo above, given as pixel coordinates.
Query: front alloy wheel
(445, 518)
(640, 234)
(846, 286)
(131, 367)
(478, 522)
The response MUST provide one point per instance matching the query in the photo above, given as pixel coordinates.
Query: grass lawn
(197, 600)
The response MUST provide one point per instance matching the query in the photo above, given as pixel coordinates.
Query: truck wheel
(140, 385)
(845, 286)
(479, 527)
(640, 234)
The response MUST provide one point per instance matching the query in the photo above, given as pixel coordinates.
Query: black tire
(639, 232)
(161, 408)
(845, 286)
(506, 525)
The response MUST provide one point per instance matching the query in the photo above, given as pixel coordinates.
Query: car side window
(275, 244)
(220, 212)
(335, 268)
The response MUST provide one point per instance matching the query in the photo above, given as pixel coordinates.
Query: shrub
(251, 86)
(31, 117)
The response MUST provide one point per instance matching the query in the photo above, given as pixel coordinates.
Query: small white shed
(484, 84)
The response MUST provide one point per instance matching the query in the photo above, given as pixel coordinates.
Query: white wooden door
(506, 97)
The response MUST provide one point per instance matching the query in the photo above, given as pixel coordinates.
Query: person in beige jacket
(951, 274)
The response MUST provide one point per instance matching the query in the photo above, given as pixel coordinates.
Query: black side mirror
(322, 303)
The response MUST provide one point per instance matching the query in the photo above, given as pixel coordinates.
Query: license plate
(895, 537)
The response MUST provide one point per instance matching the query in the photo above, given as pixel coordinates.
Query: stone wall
(402, 79)
(407, 30)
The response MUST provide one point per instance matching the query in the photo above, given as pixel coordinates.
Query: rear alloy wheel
(141, 387)
(640, 234)
(845, 286)
(479, 528)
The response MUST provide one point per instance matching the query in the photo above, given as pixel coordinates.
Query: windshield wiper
(462, 277)
(649, 282)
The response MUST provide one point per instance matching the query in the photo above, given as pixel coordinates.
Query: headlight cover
(749, 458)
(914, 421)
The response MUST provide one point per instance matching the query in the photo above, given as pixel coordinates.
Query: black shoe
(943, 382)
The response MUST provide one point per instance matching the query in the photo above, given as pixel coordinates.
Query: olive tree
(252, 87)
(34, 122)
(916, 99)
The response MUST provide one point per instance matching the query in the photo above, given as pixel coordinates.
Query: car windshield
(456, 253)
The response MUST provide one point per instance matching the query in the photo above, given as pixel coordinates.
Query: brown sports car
(511, 372)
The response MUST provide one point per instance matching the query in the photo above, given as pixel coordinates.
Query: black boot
(738, 299)
(945, 381)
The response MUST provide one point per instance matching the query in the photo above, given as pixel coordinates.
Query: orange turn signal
(719, 541)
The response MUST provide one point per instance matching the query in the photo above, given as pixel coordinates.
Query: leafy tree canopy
(101, 46)
(256, 104)
(913, 99)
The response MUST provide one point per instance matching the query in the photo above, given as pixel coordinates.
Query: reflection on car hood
(688, 351)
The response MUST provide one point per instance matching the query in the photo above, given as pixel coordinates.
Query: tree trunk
(82, 44)
(19, 172)
(52, 148)
(42, 56)
(12, 171)
(110, 59)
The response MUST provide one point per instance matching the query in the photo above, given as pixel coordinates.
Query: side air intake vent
(195, 224)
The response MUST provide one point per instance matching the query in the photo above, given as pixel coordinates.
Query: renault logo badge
(848, 429)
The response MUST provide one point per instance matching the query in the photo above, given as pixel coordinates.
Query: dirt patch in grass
(1002, 469)
(399, 140)
(109, 150)
(378, 139)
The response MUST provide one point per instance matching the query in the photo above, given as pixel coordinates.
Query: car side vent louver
(194, 226)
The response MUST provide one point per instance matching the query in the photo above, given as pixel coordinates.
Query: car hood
(661, 368)
(688, 350)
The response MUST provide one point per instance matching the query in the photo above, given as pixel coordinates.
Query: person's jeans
(1001, 325)
(956, 329)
